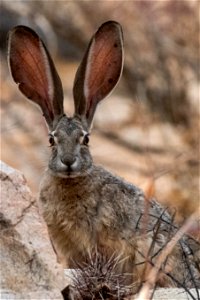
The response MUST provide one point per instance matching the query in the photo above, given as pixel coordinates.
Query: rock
(28, 262)
(9, 295)
(175, 294)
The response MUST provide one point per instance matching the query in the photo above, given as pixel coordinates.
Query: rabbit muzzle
(70, 166)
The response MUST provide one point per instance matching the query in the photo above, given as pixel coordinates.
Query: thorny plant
(96, 279)
(147, 291)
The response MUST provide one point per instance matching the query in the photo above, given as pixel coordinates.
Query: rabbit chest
(73, 215)
(80, 217)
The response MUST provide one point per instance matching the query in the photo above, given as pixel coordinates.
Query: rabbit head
(33, 70)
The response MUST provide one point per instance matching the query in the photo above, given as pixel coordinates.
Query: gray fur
(86, 207)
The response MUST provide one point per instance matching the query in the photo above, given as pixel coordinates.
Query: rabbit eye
(51, 141)
(86, 139)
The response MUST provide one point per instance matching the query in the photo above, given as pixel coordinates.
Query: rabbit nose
(68, 162)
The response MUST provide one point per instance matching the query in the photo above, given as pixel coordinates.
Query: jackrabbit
(86, 207)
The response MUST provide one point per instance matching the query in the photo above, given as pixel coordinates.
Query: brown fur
(86, 207)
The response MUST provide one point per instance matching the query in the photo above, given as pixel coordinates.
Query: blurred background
(147, 131)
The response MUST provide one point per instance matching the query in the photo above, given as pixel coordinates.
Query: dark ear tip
(22, 29)
(110, 22)
(114, 26)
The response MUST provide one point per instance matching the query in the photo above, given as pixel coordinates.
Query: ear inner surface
(100, 69)
(33, 69)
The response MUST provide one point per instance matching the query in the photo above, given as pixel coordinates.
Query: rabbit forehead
(68, 126)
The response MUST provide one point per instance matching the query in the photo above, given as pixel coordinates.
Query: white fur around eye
(85, 133)
(52, 134)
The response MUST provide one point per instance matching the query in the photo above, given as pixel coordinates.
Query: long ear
(33, 70)
(99, 70)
